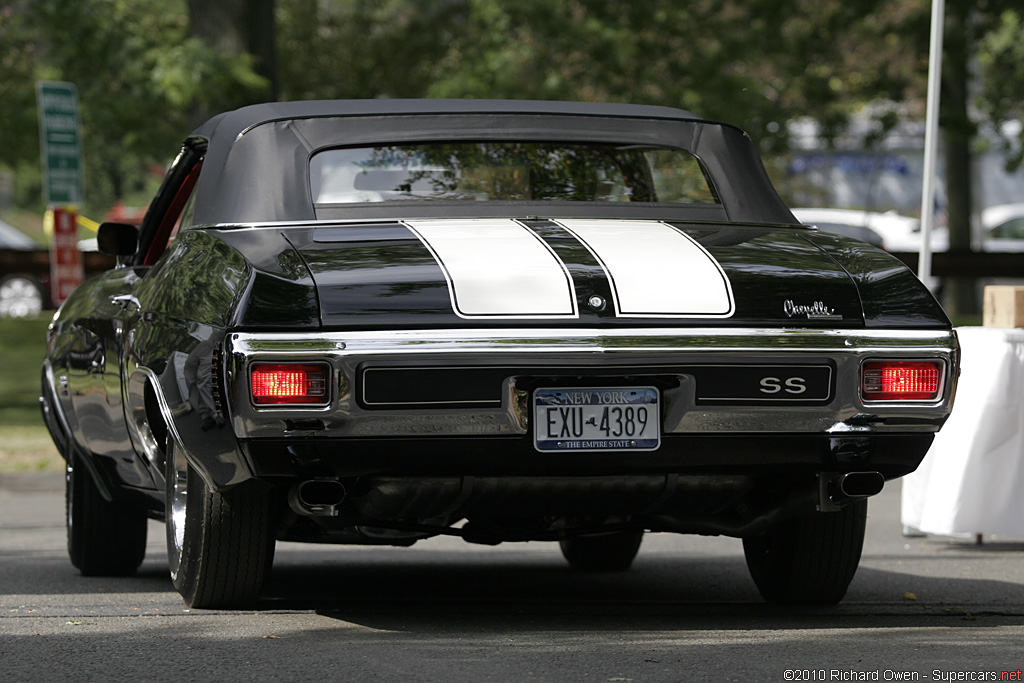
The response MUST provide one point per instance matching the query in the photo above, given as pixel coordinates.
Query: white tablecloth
(972, 480)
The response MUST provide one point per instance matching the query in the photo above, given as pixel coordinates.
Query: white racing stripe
(498, 268)
(655, 270)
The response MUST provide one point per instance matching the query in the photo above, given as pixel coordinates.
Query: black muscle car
(375, 322)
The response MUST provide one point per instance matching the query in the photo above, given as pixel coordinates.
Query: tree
(958, 130)
(984, 31)
(234, 43)
(755, 62)
(150, 70)
(139, 77)
(356, 49)
(1000, 56)
(18, 51)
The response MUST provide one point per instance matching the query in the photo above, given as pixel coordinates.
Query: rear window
(509, 171)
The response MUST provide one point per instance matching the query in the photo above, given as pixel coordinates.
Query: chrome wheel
(69, 498)
(20, 298)
(219, 543)
(177, 500)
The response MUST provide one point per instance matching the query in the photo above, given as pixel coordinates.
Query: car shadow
(659, 592)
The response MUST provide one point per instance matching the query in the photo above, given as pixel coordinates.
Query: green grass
(28, 449)
(22, 347)
(24, 442)
(967, 321)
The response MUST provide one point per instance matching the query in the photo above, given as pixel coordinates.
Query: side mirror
(117, 239)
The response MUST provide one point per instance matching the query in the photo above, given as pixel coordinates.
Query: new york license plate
(596, 419)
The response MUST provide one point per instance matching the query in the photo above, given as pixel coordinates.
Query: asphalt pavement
(931, 608)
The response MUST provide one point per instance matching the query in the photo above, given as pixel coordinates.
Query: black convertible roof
(233, 123)
(257, 160)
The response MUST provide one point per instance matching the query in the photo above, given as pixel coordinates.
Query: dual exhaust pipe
(316, 497)
(323, 497)
(836, 490)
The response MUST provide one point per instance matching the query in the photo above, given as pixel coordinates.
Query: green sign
(60, 137)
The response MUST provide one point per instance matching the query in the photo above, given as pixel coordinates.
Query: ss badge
(790, 385)
(761, 384)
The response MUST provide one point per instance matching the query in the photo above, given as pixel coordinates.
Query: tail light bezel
(894, 398)
(322, 372)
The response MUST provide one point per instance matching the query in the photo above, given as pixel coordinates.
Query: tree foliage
(146, 70)
(1001, 55)
(138, 75)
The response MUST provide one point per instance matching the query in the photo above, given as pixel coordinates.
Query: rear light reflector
(901, 380)
(288, 384)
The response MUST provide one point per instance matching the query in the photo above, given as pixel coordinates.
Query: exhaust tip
(839, 489)
(860, 484)
(316, 497)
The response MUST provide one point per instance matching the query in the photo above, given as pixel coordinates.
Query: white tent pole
(931, 140)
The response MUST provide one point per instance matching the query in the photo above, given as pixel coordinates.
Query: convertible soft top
(257, 160)
(233, 123)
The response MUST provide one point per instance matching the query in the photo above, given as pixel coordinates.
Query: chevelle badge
(814, 311)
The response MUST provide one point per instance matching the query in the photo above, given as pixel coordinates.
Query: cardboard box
(1003, 306)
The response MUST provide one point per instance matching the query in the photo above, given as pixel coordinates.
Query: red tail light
(287, 383)
(901, 380)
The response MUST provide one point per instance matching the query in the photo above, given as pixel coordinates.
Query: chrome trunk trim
(630, 349)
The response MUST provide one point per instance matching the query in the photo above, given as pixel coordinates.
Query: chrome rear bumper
(564, 352)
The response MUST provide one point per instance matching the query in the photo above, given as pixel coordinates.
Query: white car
(894, 232)
(1003, 227)
(12, 238)
(21, 294)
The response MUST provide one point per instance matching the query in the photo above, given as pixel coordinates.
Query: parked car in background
(12, 238)
(21, 292)
(889, 230)
(374, 322)
(25, 272)
(839, 222)
(1003, 227)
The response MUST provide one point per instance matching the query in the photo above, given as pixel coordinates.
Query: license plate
(596, 419)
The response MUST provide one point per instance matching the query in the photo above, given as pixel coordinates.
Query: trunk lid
(565, 272)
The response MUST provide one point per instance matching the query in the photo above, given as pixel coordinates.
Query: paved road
(447, 611)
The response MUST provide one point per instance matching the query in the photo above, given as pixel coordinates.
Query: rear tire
(105, 538)
(810, 558)
(219, 544)
(612, 551)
